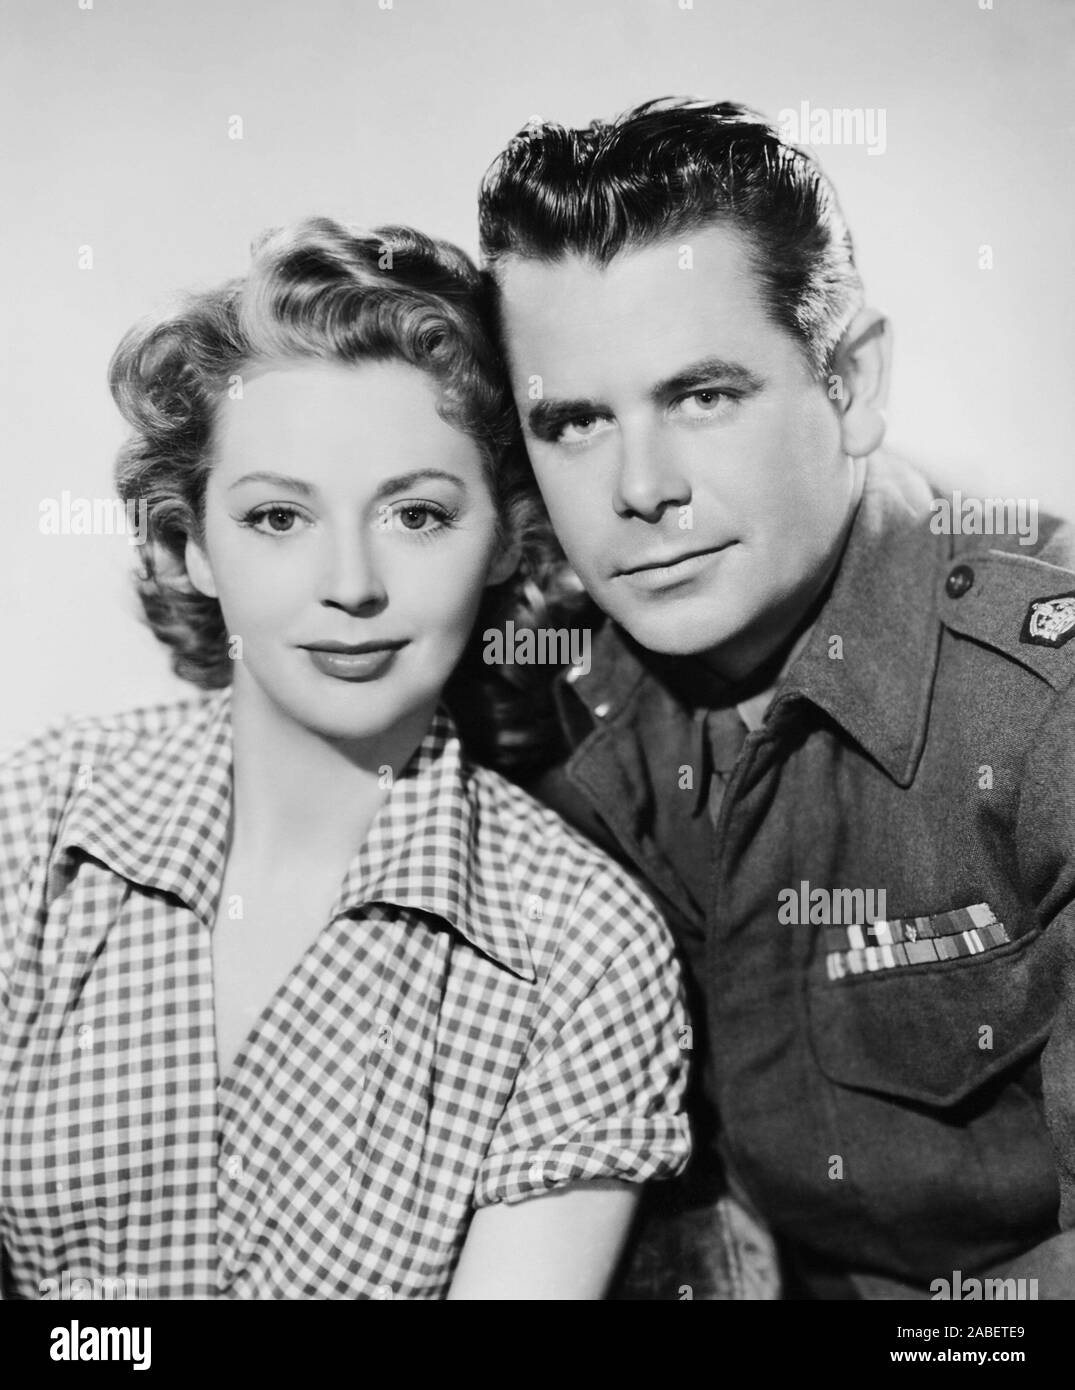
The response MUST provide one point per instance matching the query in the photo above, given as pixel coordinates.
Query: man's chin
(679, 635)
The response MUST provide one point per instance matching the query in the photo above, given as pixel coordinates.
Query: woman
(300, 1002)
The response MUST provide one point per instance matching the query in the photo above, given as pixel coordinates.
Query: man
(832, 731)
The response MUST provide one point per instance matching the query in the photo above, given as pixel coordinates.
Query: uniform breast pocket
(933, 1031)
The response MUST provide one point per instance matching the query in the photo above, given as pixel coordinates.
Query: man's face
(690, 460)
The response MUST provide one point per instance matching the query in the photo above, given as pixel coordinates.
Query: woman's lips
(358, 663)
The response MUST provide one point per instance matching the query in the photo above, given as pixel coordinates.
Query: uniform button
(959, 581)
(602, 709)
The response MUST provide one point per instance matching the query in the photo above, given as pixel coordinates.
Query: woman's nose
(352, 577)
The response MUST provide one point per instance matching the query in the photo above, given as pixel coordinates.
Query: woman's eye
(273, 521)
(414, 518)
(421, 517)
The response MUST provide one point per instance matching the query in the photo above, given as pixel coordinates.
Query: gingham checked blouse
(492, 1010)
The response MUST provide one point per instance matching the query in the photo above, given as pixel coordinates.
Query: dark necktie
(725, 735)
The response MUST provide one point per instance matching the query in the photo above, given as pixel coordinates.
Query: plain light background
(116, 115)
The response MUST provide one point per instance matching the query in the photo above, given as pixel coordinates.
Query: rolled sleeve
(601, 1091)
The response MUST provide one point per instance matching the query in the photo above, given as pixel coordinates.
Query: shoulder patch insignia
(1050, 622)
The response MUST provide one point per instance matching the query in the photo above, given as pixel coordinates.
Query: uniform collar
(875, 682)
(158, 810)
(871, 659)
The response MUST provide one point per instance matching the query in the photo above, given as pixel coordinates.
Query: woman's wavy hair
(318, 290)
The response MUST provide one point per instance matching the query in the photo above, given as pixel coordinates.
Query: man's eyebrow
(706, 372)
(546, 415)
(399, 483)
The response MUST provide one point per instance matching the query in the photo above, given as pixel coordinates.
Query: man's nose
(650, 477)
(351, 577)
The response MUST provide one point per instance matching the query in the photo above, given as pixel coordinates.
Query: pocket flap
(934, 1033)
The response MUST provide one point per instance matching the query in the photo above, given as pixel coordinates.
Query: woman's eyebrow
(402, 481)
(298, 485)
(399, 483)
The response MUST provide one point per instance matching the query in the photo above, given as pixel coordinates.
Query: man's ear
(862, 363)
(505, 562)
(198, 569)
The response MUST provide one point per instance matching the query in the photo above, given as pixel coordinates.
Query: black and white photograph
(538, 739)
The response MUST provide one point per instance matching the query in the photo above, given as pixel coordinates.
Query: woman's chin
(354, 713)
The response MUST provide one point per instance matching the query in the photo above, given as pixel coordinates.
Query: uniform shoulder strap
(1019, 605)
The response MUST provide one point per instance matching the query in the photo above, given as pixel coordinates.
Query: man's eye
(699, 405)
(273, 520)
(580, 428)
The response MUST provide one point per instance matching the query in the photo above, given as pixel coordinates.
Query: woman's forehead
(319, 417)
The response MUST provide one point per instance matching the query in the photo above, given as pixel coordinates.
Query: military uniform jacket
(880, 1084)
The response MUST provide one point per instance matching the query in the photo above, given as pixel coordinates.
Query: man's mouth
(658, 570)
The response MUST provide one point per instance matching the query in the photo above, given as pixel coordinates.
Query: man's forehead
(696, 294)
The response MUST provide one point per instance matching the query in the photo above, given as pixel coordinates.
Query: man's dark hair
(668, 168)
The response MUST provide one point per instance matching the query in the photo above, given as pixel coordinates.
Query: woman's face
(349, 533)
